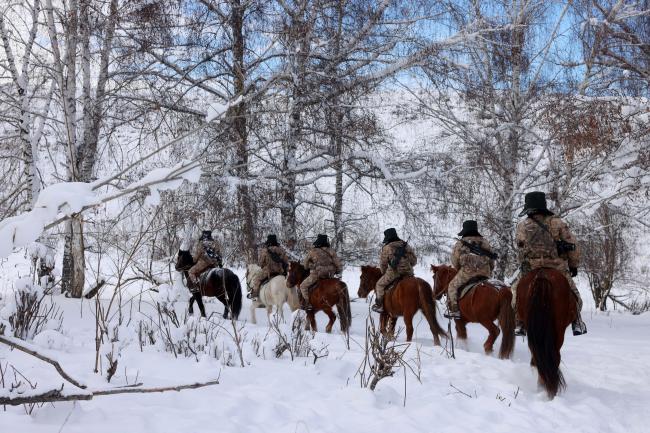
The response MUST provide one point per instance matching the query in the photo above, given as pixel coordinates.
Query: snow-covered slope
(606, 373)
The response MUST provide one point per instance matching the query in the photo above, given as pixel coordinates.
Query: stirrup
(455, 315)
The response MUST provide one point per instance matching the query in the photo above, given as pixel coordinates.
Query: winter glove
(574, 271)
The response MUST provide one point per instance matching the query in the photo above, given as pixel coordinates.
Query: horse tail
(542, 340)
(428, 306)
(506, 323)
(235, 295)
(343, 308)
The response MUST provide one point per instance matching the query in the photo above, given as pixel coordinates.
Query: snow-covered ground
(606, 372)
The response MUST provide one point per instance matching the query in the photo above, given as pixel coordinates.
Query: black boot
(452, 313)
(305, 305)
(519, 328)
(578, 326)
(378, 306)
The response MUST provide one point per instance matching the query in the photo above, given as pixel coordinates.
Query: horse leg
(392, 322)
(383, 323)
(493, 334)
(332, 318)
(408, 321)
(312, 321)
(191, 308)
(253, 318)
(461, 333)
(199, 300)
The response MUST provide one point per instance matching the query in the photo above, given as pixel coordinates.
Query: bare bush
(606, 252)
(300, 343)
(384, 356)
(32, 311)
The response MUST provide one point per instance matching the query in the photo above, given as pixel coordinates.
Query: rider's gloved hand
(574, 271)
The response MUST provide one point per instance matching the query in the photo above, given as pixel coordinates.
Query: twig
(55, 394)
(458, 391)
(20, 346)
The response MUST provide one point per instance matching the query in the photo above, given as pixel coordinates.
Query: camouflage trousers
(566, 273)
(256, 282)
(453, 291)
(199, 267)
(308, 282)
(386, 280)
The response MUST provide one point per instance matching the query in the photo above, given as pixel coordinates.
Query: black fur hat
(535, 202)
(271, 241)
(206, 235)
(470, 228)
(322, 241)
(390, 235)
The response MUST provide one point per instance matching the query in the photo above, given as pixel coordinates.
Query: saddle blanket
(492, 282)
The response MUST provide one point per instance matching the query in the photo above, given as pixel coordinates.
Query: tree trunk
(73, 258)
(240, 112)
(297, 57)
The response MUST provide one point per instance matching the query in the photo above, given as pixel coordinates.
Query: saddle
(475, 281)
(394, 283)
(268, 279)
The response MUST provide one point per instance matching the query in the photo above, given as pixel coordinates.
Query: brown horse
(484, 304)
(405, 299)
(546, 306)
(326, 293)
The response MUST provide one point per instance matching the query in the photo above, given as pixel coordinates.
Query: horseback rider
(273, 260)
(396, 260)
(545, 241)
(207, 254)
(322, 263)
(471, 262)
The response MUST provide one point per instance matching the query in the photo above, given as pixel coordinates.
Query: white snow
(606, 373)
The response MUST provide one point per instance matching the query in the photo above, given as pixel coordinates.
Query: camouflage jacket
(323, 262)
(405, 264)
(271, 266)
(471, 264)
(208, 251)
(536, 247)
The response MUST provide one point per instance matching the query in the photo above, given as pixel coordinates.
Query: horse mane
(371, 269)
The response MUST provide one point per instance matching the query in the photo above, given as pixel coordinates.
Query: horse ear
(434, 268)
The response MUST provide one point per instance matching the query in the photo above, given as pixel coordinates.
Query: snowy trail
(606, 372)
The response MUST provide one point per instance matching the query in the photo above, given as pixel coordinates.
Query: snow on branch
(388, 175)
(58, 202)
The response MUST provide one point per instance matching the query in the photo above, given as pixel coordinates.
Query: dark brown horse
(546, 306)
(327, 293)
(221, 283)
(484, 304)
(405, 299)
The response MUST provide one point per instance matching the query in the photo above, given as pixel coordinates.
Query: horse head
(296, 273)
(367, 281)
(184, 261)
(442, 276)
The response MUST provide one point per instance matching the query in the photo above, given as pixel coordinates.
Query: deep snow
(606, 372)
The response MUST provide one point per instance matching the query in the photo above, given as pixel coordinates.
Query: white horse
(273, 292)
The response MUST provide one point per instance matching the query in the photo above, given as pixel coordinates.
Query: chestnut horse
(222, 283)
(483, 304)
(324, 295)
(547, 307)
(404, 299)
